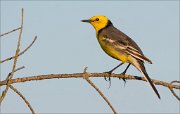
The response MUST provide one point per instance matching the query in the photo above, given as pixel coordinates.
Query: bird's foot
(123, 73)
(109, 78)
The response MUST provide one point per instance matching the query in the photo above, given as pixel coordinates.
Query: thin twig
(20, 52)
(28, 104)
(98, 90)
(14, 71)
(15, 60)
(172, 91)
(10, 32)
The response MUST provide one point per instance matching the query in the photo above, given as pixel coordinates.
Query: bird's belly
(114, 52)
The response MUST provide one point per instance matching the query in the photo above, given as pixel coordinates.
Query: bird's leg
(124, 72)
(110, 72)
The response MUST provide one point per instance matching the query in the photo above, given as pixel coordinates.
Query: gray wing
(125, 42)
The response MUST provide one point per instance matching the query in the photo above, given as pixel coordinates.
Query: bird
(119, 46)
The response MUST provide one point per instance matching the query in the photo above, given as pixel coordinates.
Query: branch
(80, 75)
(15, 60)
(21, 52)
(4, 92)
(172, 91)
(10, 32)
(86, 77)
(14, 71)
(28, 104)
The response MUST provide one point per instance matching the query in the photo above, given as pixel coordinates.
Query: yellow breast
(111, 50)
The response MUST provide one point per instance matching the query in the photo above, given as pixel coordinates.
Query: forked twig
(1, 97)
(14, 71)
(21, 53)
(172, 91)
(15, 59)
(86, 77)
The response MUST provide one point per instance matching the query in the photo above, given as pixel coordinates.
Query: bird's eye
(97, 19)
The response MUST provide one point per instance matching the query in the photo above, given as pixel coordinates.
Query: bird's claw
(109, 78)
(123, 73)
(108, 72)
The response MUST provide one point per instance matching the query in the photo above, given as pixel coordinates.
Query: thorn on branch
(85, 74)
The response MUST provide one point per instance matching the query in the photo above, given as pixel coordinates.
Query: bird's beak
(87, 21)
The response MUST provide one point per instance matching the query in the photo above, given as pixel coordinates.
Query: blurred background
(66, 45)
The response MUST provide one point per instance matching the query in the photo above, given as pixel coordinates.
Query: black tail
(151, 83)
(140, 66)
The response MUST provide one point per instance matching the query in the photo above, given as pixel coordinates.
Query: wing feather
(122, 41)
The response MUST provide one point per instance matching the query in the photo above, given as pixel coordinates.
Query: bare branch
(80, 75)
(10, 32)
(86, 77)
(15, 60)
(28, 104)
(21, 52)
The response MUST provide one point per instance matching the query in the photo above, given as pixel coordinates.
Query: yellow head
(98, 22)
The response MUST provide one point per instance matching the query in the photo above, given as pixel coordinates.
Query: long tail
(140, 66)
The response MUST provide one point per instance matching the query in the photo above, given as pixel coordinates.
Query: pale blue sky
(66, 45)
